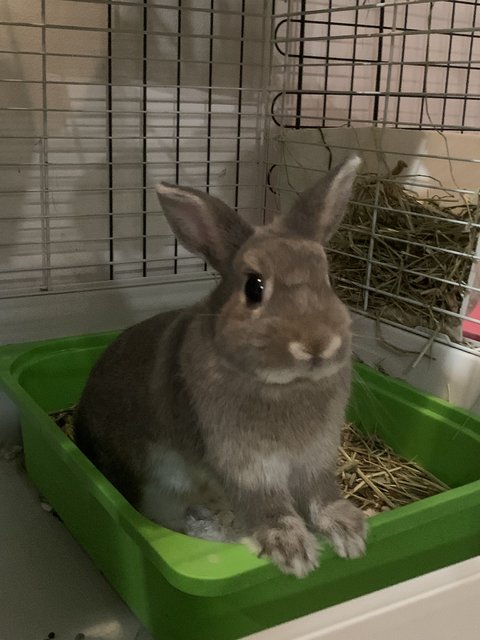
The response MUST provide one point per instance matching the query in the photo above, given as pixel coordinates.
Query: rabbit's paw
(289, 545)
(343, 525)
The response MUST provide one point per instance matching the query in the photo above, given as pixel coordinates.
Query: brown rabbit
(246, 390)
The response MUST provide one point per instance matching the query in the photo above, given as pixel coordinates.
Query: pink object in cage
(472, 329)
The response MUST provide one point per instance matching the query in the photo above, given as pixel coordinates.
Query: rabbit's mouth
(311, 372)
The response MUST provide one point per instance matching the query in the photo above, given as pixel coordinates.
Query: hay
(370, 473)
(64, 419)
(376, 479)
(408, 262)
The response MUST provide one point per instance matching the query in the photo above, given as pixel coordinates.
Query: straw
(442, 277)
(375, 478)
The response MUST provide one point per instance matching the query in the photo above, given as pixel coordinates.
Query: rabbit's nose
(299, 351)
(315, 353)
(331, 347)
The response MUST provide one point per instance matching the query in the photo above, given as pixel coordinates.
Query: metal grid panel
(393, 80)
(101, 100)
(412, 64)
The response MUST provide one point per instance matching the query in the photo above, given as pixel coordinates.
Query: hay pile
(369, 472)
(376, 479)
(408, 259)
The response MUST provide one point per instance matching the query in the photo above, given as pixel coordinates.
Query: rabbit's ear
(318, 211)
(203, 224)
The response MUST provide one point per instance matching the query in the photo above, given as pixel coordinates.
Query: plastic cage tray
(185, 588)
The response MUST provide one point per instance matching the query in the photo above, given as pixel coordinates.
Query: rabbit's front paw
(344, 525)
(289, 545)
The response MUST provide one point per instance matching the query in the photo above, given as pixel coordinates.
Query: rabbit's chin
(286, 376)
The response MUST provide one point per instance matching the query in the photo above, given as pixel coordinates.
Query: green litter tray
(185, 588)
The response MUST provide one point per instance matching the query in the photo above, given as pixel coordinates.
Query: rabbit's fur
(247, 399)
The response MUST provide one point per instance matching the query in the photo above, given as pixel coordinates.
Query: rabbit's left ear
(318, 211)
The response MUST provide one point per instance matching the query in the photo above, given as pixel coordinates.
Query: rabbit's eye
(254, 288)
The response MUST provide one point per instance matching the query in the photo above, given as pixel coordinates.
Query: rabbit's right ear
(203, 224)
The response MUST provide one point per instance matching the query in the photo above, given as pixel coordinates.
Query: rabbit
(245, 392)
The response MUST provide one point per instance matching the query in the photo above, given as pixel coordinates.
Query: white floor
(47, 582)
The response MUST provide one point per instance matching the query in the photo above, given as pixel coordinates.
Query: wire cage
(399, 83)
(250, 101)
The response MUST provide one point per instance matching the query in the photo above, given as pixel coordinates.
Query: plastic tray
(184, 588)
